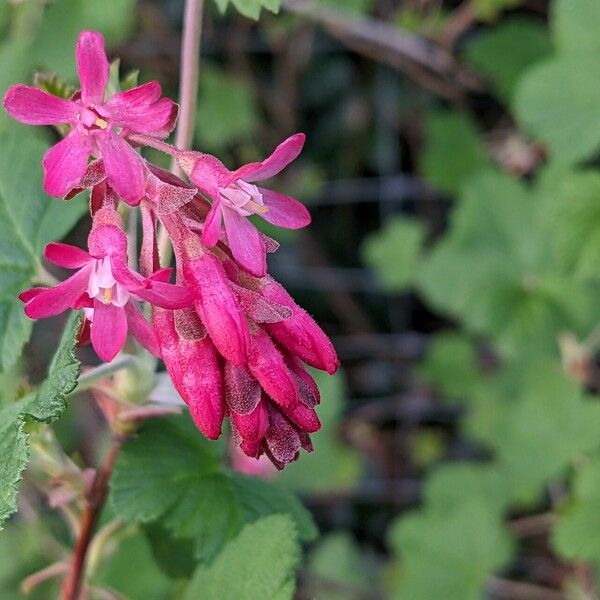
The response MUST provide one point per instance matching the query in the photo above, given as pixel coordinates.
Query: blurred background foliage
(452, 172)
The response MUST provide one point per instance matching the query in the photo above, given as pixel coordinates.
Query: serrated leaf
(170, 474)
(453, 151)
(45, 405)
(496, 270)
(394, 251)
(449, 554)
(250, 8)
(28, 221)
(259, 564)
(536, 421)
(506, 51)
(573, 536)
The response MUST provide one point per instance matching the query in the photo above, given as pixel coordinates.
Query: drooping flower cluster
(234, 342)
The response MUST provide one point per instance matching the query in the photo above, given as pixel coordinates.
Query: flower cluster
(234, 342)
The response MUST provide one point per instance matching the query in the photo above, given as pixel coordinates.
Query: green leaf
(394, 252)
(451, 366)
(45, 405)
(506, 51)
(332, 466)
(450, 553)
(227, 110)
(354, 7)
(337, 560)
(573, 536)
(453, 151)
(250, 8)
(28, 221)
(559, 102)
(259, 564)
(575, 25)
(171, 474)
(496, 269)
(536, 421)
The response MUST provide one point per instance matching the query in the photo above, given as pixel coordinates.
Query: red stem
(94, 503)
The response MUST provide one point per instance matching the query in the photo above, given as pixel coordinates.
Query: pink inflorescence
(234, 342)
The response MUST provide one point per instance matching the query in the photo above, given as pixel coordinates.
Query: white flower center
(244, 198)
(103, 286)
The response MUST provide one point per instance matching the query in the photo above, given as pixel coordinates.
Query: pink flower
(105, 287)
(97, 124)
(194, 366)
(235, 197)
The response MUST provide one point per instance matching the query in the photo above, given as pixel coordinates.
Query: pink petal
(66, 256)
(218, 307)
(53, 301)
(35, 107)
(208, 171)
(282, 156)
(258, 308)
(284, 211)
(30, 294)
(245, 242)
(282, 439)
(124, 167)
(300, 334)
(195, 370)
(109, 330)
(252, 426)
(212, 225)
(141, 329)
(165, 295)
(92, 66)
(140, 109)
(304, 417)
(266, 363)
(108, 239)
(65, 164)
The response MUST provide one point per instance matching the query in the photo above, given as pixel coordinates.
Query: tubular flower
(97, 124)
(234, 342)
(235, 197)
(106, 287)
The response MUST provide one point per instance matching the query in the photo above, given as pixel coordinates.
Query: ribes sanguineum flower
(235, 197)
(106, 287)
(97, 124)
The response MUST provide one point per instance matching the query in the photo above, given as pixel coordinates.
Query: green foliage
(453, 151)
(537, 421)
(450, 366)
(28, 221)
(506, 51)
(495, 269)
(574, 534)
(337, 561)
(332, 466)
(453, 545)
(172, 475)
(559, 101)
(250, 8)
(354, 7)
(394, 252)
(227, 110)
(45, 405)
(259, 564)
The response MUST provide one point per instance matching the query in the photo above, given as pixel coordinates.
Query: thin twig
(507, 589)
(432, 66)
(94, 504)
(92, 376)
(188, 92)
